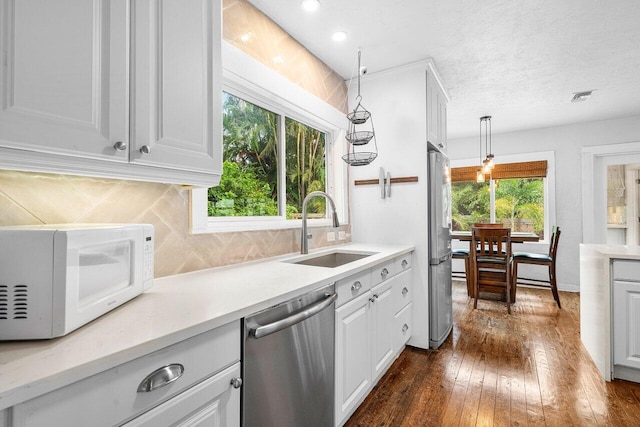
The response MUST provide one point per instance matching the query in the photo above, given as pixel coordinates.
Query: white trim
(253, 81)
(549, 182)
(595, 159)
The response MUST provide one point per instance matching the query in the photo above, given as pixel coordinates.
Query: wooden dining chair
(463, 254)
(491, 262)
(548, 260)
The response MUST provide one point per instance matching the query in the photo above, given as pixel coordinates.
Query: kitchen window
(279, 144)
(257, 144)
(517, 194)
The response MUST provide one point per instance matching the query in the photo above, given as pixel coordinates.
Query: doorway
(595, 190)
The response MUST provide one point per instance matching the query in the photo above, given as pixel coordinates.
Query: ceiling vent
(581, 96)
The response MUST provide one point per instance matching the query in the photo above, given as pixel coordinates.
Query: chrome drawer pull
(405, 328)
(404, 263)
(236, 382)
(372, 299)
(384, 273)
(405, 291)
(356, 286)
(161, 377)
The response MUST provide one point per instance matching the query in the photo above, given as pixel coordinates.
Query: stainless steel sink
(332, 259)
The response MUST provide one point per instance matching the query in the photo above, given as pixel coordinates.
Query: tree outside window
(249, 184)
(518, 201)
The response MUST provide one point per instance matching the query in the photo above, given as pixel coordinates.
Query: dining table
(516, 236)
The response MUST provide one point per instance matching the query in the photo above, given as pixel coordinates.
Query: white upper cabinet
(176, 86)
(117, 89)
(436, 109)
(64, 77)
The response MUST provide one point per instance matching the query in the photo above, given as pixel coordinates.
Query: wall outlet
(342, 235)
(331, 236)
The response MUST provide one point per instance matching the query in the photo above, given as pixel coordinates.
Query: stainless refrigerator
(439, 277)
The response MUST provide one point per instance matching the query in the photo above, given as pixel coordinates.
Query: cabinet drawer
(403, 325)
(402, 290)
(403, 263)
(213, 402)
(626, 270)
(112, 397)
(352, 287)
(382, 272)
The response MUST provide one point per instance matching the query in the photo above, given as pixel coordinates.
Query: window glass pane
(469, 204)
(249, 183)
(520, 204)
(305, 169)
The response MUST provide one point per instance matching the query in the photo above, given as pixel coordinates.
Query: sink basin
(332, 259)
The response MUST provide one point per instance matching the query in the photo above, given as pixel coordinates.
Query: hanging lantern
(357, 135)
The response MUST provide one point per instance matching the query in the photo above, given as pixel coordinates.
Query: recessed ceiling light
(339, 36)
(581, 96)
(310, 5)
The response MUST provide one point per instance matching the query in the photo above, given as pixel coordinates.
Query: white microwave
(56, 278)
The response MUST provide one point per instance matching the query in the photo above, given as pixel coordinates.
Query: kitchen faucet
(304, 244)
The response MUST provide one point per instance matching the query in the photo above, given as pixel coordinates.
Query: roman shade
(535, 169)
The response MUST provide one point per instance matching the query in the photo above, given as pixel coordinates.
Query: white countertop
(595, 299)
(175, 308)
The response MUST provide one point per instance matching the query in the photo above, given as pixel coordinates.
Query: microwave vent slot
(14, 302)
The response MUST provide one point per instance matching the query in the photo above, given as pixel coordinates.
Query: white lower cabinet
(352, 363)
(382, 328)
(191, 383)
(211, 403)
(626, 318)
(368, 336)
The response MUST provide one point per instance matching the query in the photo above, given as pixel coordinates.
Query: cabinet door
(353, 358)
(432, 110)
(214, 402)
(382, 320)
(64, 79)
(626, 318)
(177, 85)
(442, 122)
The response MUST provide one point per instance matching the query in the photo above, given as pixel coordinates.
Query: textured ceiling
(519, 61)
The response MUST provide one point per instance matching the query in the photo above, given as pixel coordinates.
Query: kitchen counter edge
(176, 308)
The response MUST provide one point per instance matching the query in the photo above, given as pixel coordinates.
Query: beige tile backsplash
(35, 198)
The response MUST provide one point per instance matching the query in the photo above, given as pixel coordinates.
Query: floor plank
(529, 368)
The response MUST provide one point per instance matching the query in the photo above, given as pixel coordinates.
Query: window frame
(246, 78)
(548, 182)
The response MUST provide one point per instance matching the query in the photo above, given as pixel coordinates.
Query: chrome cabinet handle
(161, 377)
(384, 273)
(356, 286)
(404, 263)
(405, 328)
(405, 291)
(145, 149)
(120, 146)
(236, 382)
(372, 299)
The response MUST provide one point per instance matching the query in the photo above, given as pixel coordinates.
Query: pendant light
(358, 117)
(486, 165)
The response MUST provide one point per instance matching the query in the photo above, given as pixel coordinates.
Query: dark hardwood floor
(529, 368)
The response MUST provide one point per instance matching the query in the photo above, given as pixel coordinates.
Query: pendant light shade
(360, 132)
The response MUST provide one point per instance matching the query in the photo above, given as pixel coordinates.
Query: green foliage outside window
(249, 184)
(519, 203)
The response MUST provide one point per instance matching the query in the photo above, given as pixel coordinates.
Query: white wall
(566, 142)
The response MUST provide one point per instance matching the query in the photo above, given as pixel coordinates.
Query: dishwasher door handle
(303, 314)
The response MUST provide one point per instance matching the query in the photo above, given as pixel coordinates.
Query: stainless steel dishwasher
(288, 363)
